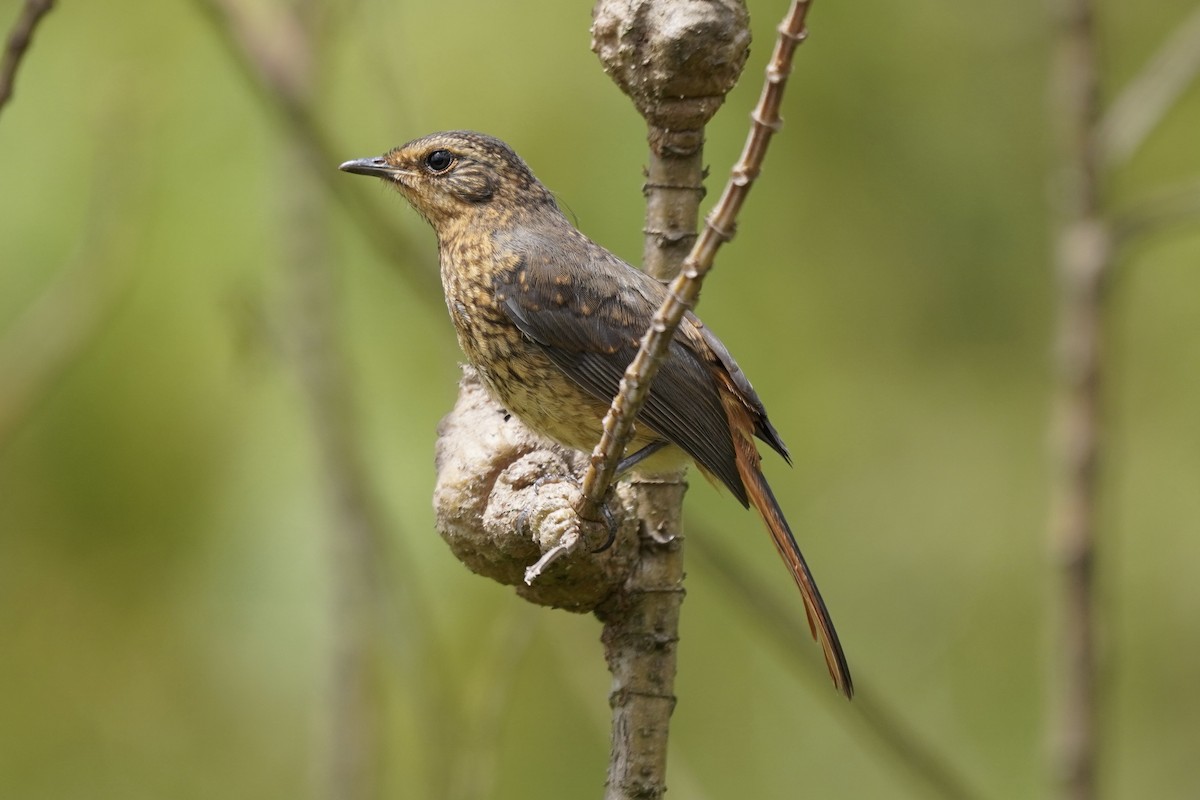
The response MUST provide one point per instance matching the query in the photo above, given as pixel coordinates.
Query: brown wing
(587, 310)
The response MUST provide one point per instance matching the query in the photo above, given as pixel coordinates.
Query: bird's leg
(611, 522)
(626, 464)
(630, 461)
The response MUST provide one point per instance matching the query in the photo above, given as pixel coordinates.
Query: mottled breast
(516, 371)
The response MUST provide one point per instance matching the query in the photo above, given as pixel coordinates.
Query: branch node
(675, 60)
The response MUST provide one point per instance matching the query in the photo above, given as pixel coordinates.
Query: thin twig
(685, 288)
(1147, 98)
(277, 61)
(18, 44)
(1084, 259)
(264, 58)
(564, 548)
(935, 774)
(356, 529)
(1175, 205)
(56, 329)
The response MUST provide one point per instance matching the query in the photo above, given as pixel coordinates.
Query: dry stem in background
(57, 328)
(1146, 99)
(932, 773)
(1084, 259)
(268, 57)
(18, 44)
(355, 528)
(278, 60)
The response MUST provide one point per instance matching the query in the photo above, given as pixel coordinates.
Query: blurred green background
(165, 581)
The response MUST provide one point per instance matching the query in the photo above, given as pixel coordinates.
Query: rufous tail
(819, 622)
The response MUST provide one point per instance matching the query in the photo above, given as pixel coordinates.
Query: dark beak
(377, 167)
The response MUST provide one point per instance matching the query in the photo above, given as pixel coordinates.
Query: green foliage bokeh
(164, 553)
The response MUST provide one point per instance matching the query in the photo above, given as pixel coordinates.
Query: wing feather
(593, 336)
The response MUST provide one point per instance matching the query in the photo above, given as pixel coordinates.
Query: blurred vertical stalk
(355, 726)
(277, 47)
(1083, 256)
(55, 330)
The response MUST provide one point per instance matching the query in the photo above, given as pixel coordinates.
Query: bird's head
(454, 176)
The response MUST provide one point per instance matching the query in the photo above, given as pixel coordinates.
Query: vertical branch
(354, 530)
(1084, 258)
(719, 227)
(641, 631)
(280, 59)
(676, 61)
(267, 64)
(674, 188)
(355, 533)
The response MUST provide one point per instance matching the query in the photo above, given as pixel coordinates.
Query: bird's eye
(439, 160)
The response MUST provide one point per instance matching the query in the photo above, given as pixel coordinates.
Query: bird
(550, 320)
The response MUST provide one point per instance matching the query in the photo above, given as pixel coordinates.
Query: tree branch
(685, 288)
(1175, 205)
(1084, 260)
(267, 59)
(18, 44)
(677, 62)
(934, 774)
(55, 330)
(1152, 93)
(277, 59)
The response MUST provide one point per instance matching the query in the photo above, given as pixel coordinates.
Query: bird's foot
(613, 527)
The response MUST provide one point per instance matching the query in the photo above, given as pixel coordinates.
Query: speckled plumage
(551, 320)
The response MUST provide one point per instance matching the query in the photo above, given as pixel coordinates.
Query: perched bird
(550, 320)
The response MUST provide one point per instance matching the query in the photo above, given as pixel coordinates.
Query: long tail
(819, 622)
